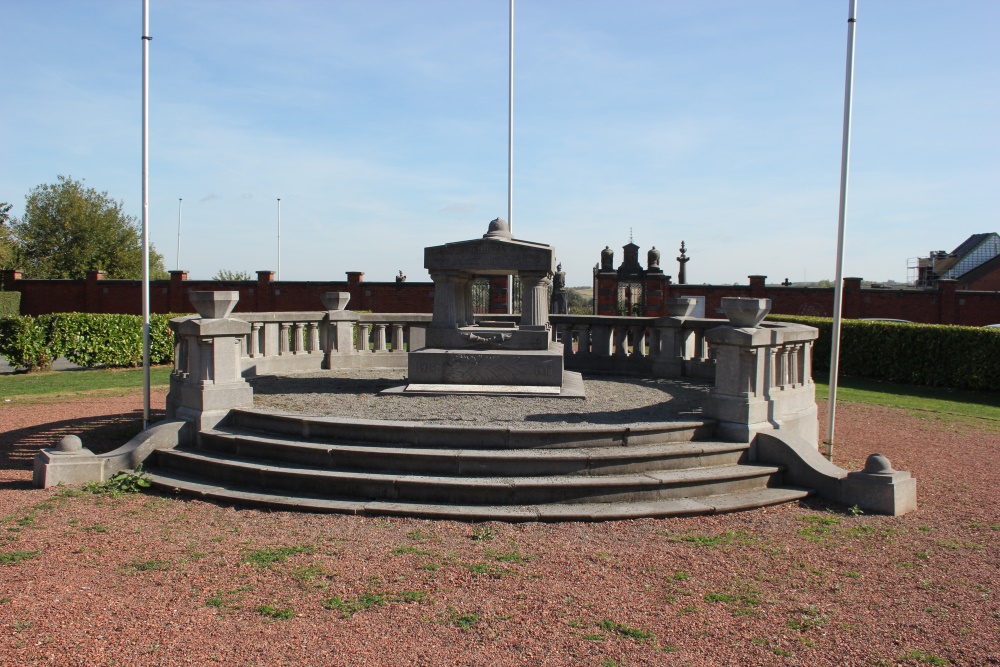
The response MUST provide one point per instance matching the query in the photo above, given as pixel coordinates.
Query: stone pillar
(852, 305)
(757, 284)
(445, 315)
(265, 303)
(535, 301)
(948, 301)
(753, 391)
(470, 315)
(313, 337)
(10, 278)
(462, 307)
(208, 383)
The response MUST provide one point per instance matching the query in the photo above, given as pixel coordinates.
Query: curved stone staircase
(328, 464)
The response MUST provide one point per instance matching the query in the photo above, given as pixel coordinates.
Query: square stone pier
(491, 357)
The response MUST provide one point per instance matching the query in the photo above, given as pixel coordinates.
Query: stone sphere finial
(498, 229)
(69, 444)
(878, 465)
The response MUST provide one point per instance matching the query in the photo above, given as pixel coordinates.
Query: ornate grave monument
(463, 356)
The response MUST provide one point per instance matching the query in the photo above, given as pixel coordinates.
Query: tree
(231, 276)
(68, 229)
(8, 249)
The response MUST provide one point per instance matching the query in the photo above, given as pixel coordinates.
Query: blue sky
(382, 126)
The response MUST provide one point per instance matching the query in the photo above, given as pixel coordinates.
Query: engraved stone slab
(482, 389)
(533, 368)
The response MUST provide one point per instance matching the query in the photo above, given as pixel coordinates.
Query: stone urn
(214, 305)
(745, 313)
(680, 307)
(335, 300)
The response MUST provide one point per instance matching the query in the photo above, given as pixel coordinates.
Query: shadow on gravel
(100, 434)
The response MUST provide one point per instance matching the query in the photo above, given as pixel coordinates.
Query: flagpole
(180, 203)
(145, 213)
(510, 146)
(279, 238)
(838, 289)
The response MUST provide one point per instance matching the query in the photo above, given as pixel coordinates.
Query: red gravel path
(151, 580)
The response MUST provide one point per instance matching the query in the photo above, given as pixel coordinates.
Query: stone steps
(731, 502)
(251, 444)
(327, 464)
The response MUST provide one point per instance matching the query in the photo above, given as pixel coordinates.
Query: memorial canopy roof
(494, 254)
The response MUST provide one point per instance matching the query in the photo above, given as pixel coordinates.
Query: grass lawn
(978, 404)
(79, 381)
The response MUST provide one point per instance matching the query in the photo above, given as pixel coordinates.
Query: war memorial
(733, 425)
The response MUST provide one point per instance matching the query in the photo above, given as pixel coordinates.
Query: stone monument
(496, 357)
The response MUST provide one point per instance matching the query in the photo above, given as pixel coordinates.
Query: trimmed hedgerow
(25, 342)
(10, 304)
(921, 354)
(86, 339)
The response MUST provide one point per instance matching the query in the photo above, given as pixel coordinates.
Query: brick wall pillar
(656, 290)
(851, 305)
(606, 297)
(948, 302)
(10, 278)
(92, 294)
(265, 300)
(757, 287)
(177, 301)
(358, 299)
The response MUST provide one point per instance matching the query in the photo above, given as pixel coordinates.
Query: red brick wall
(947, 305)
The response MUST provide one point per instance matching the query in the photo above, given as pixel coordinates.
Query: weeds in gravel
(625, 630)
(818, 527)
(420, 535)
(726, 538)
(275, 613)
(487, 569)
(312, 575)
(807, 619)
(348, 607)
(923, 656)
(152, 565)
(15, 557)
(268, 557)
(462, 621)
(122, 483)
(482, 534)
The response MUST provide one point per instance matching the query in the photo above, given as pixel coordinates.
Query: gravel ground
(154, 580)
(610, 400)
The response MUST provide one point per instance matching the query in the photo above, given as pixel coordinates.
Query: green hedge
(921, 354)
(10, 304)
(85, 339)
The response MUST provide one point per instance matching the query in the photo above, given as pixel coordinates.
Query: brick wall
(945, 305)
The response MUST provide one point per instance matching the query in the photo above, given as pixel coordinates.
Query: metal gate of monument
(481, 295)
(630, 300)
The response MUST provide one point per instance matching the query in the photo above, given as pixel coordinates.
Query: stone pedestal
(206, 382)
(879, 488)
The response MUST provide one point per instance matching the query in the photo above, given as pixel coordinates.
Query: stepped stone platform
(327, 442)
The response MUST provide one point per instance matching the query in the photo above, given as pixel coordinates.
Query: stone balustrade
(645, 346)
(315, 340)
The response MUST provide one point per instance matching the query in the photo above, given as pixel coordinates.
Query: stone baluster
(283, 338)
(638, 333)
(254, 344)
(380, 338)
(621, 340)
(397, 338)
(314, 338)
(297, 346)
(566, 333)
(794, 364)
(364, 333)
(583, 338)
(600, 340)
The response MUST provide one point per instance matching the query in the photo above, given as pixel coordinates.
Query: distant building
(974, 265)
